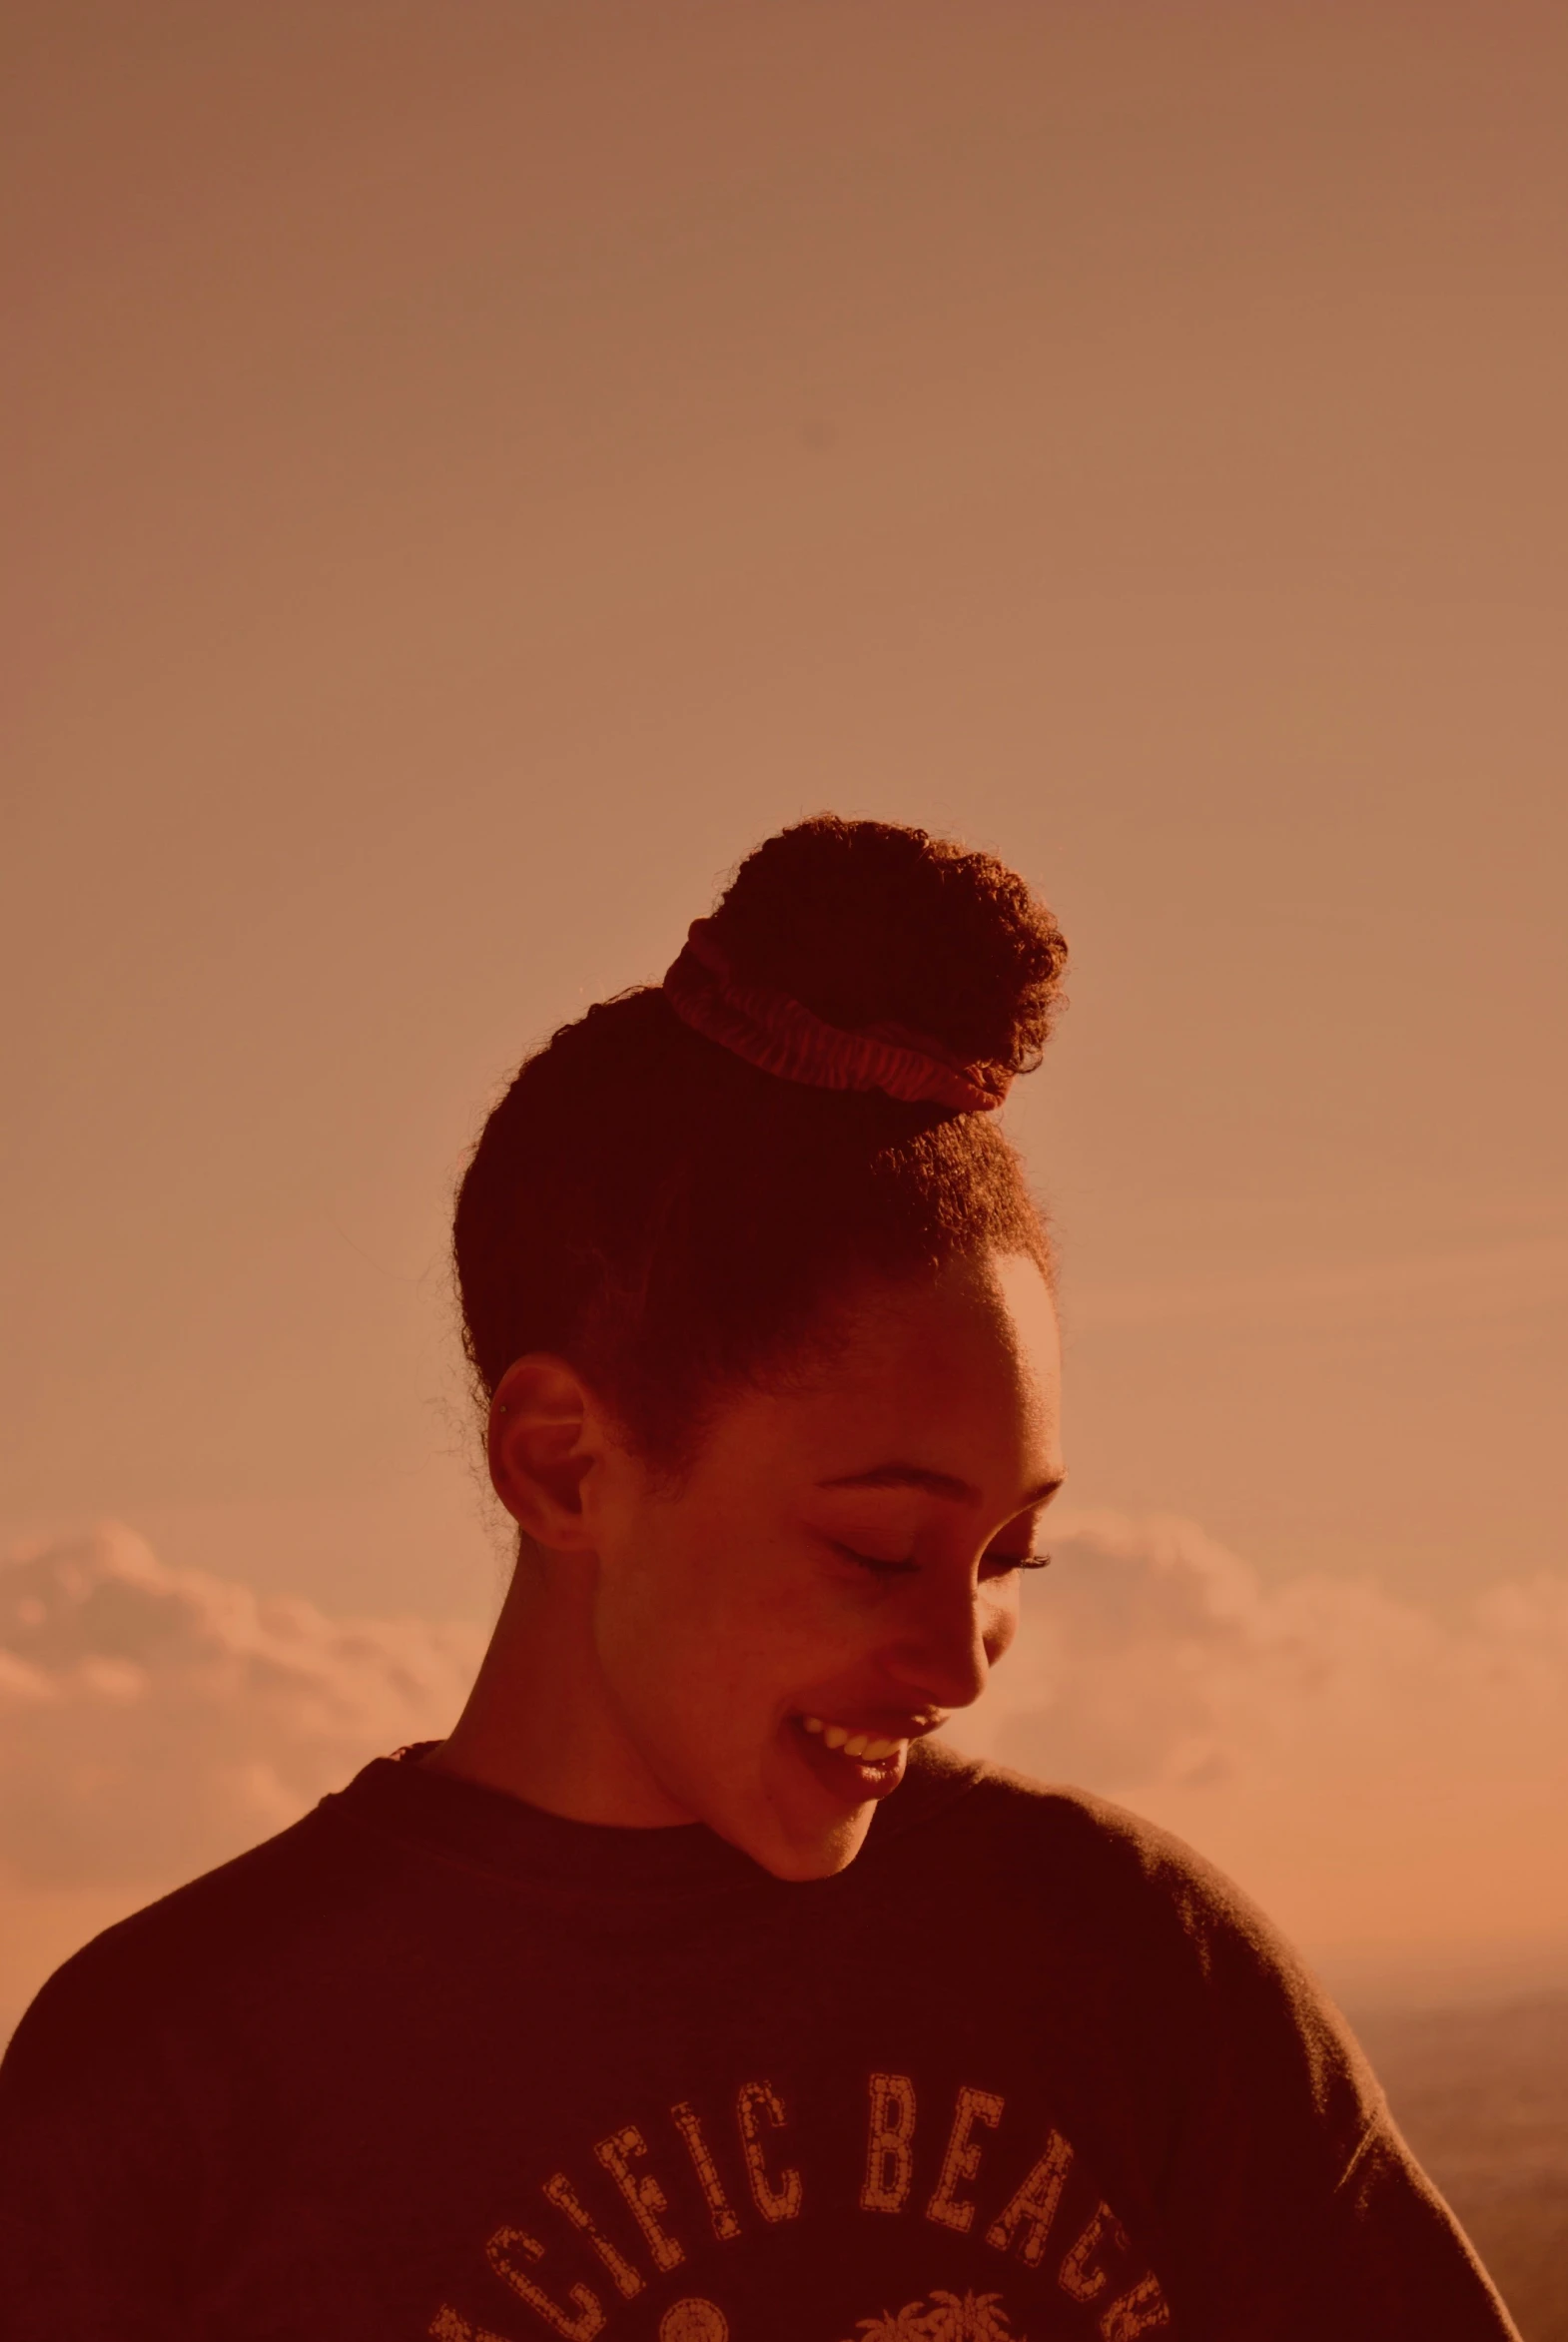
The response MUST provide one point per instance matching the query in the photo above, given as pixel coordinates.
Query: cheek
(715, 1621)
(999, 1625)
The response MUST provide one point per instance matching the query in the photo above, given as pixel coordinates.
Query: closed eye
(871, 1562)
(997, 1564)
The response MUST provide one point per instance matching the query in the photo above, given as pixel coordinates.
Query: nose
(948, 1643)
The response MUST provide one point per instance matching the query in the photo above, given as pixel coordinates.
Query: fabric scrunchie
(783, 1036)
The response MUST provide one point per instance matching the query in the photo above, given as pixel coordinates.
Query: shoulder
(1048, 1837)
(216, 1946)
(1098, 1891)
(1153, 1971)
(146, 2069)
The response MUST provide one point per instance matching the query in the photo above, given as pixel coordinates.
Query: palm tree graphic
(949, 2317)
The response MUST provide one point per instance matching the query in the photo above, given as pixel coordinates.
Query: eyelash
(903, 1569)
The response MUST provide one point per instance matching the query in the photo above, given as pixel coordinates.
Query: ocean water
(1481, 2093)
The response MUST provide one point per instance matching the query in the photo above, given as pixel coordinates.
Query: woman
(688, 1989)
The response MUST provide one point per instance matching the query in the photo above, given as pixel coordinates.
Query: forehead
(987, 1321)
(958, 1373)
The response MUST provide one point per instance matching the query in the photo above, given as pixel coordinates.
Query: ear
(546, 1434)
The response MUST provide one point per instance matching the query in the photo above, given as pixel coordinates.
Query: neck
(539, 1723)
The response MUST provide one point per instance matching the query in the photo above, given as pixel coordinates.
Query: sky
(476, 471)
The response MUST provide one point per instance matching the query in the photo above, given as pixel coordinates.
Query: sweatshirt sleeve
(1293, 2203)
(1393, 2247)
(98, 2180)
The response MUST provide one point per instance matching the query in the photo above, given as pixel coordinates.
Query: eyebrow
(934, 1484)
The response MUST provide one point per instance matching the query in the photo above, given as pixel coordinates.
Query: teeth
(853, 1744)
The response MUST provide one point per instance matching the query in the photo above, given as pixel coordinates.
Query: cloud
(1384, 1779)
(155, 1720)
(1391, 1784)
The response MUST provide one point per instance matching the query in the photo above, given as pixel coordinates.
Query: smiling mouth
(862, 1744)
(854, 1765)
(877, 1751)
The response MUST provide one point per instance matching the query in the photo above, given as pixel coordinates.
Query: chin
(801, 1855)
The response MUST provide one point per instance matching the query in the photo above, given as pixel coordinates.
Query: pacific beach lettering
(1021, 2227)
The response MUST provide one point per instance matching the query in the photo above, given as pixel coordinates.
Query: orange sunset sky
(474, 469)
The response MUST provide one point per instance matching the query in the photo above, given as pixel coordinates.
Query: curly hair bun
(869, 923)
(656, 1206)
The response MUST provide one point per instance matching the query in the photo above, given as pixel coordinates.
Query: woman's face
(840, 1570)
